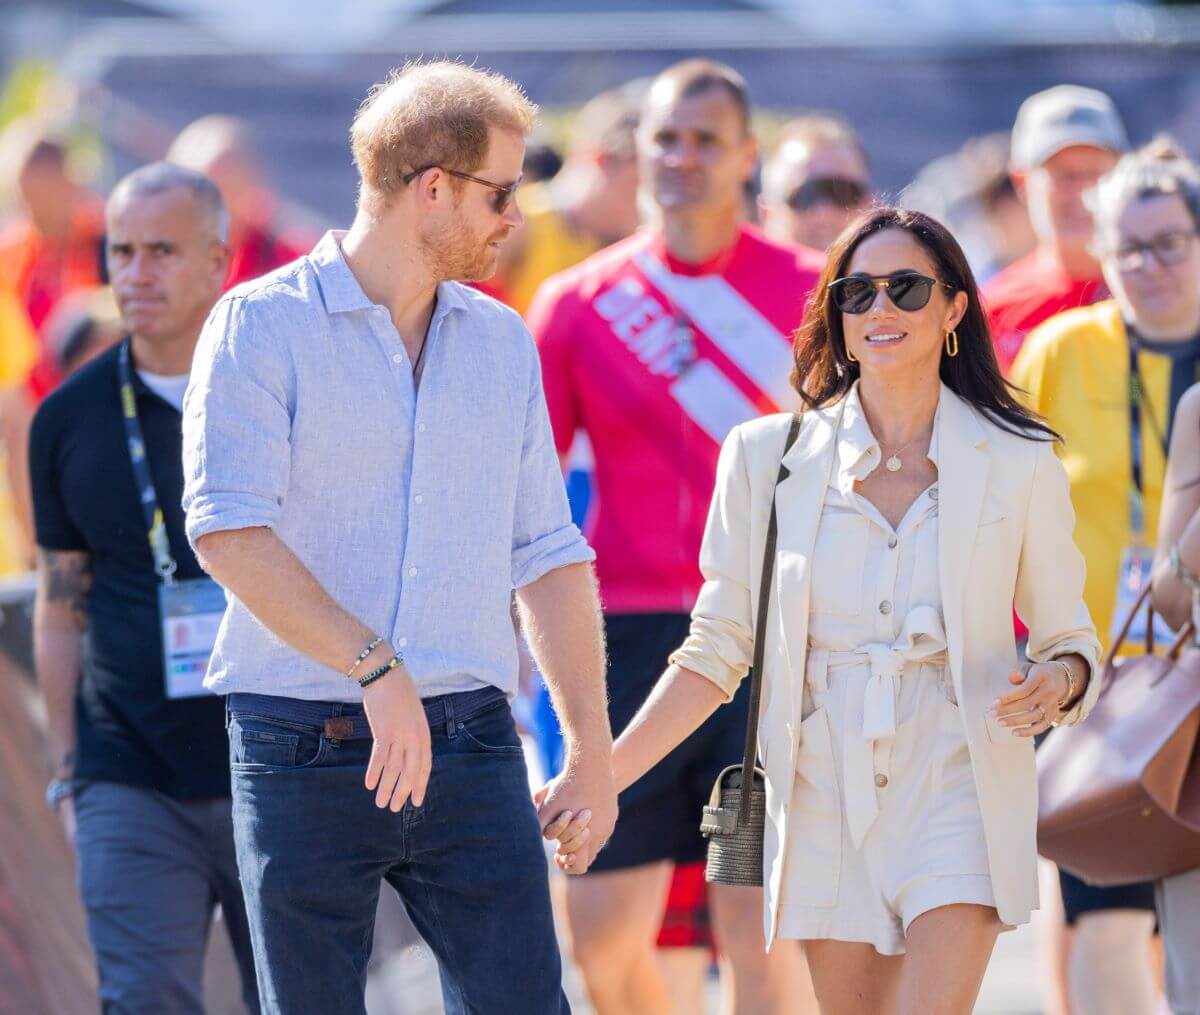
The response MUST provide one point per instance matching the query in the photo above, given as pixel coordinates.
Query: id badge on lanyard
(189, 610)
(1138, 559)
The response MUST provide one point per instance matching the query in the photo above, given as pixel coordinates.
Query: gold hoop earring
(951, 343)
(850, 355)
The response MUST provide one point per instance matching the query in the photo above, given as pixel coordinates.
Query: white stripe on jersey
(714, 403)
(732, 324)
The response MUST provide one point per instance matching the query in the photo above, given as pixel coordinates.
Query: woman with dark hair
(896, 729)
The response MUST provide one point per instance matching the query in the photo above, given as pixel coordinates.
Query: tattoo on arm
(66, 580)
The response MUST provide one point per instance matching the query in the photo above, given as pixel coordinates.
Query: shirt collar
(341, 290)
(859, 453)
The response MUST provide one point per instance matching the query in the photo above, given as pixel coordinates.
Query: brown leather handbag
(1119, 794)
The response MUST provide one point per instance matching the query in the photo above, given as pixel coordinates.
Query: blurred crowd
(1088, 258)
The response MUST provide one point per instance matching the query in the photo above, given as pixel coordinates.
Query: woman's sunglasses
(908, 290)
(501, 199)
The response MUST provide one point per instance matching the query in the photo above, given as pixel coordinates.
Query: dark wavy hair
(823, 372)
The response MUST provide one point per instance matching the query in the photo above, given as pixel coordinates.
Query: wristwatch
(59, 790)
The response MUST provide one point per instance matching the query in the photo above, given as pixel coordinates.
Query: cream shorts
(925, 847)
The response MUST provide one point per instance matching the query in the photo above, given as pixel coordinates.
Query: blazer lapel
(797, 500)
(962, 484)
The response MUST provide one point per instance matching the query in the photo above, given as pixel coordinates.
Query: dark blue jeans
(313, 851)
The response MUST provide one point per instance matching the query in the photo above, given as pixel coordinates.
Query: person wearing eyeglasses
(816, 183)
(371, 475)
(1109, 377)
(655, 348)
(916, 502)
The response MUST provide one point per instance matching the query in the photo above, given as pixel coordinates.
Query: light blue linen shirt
(419, 510)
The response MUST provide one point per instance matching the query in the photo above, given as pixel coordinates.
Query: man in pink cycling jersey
(656, 347)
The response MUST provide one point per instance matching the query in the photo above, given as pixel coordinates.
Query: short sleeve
(54, 528)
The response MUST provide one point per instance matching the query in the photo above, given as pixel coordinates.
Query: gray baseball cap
(1063, 116)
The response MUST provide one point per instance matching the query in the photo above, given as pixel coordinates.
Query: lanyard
(164, 563)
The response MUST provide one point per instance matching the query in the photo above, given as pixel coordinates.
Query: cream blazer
(1005, 524)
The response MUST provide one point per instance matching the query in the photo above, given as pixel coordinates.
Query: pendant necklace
(894, 464)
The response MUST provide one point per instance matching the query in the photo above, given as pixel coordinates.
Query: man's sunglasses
(1168, 249)
(501, 199)
(835, 190)
(908, 290)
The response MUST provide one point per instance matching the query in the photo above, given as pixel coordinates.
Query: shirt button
(397, 359)
(412, 572)
(892, 543)
(420, 428)
(881, 780)
(418, 499)
(403, 642)
(885, 607)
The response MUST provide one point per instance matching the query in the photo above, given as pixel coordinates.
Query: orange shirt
(40, 273)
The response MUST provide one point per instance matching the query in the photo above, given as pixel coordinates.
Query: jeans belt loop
(448, 704)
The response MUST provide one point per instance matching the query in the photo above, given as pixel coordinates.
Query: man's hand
(579, 808)
(401, 756)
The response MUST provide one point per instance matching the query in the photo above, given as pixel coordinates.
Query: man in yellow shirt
(1076, 368)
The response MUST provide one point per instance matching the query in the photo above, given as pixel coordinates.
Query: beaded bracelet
(363, 655)
(374, 675)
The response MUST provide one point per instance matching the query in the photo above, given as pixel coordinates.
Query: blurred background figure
(816, 183)
(222, 148)
(55, 245)
(1109, 378)
(657, 347)
(1006, 232)
(542, 161)
(82, 325)
(590, 203)
(1063, 141)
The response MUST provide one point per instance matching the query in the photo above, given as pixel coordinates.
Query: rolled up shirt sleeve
(544, 537)
(1050, 576)
(720, 644)
(236, 425)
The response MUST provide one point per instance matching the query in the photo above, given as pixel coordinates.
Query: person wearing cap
(816, 183)
(590, 203)
(1063, 141)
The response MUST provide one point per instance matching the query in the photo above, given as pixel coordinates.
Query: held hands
(1033, 707)
(581, 830)
(401, 756)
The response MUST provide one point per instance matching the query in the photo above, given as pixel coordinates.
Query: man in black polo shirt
(141, 764)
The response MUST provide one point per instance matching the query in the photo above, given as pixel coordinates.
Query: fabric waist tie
(922, 640)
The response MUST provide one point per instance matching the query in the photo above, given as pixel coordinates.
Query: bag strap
(760, 631)
(1181, 639)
